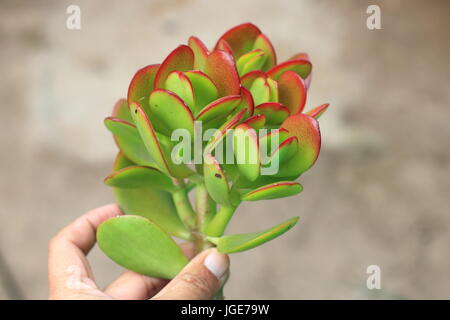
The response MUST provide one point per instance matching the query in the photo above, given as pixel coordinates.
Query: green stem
(203, 210)
(219, 223)
(183, 206)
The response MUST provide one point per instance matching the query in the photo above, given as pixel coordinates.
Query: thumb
(199, 280)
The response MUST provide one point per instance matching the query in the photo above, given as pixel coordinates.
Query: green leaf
(301, 67)
(150, 203)
(129, 141)
(318, 111)
(252, 60)
(161, 153)
(285, 150)
(178, 83)
(139, 245)
(292, 91)
(200, 52)
(219, 109)
(141, 85)
(246, 151)
(241, 38)
(275, 112)
(260, 90)
(215, 180)
(121, 111)
(273, 85)
(205, 90)
(262, 42)
(169, 110)
(221, 69)
(257, 121)
(140, 177)
(180, 59)
(274, 191)
(247, 241)
(307, 131)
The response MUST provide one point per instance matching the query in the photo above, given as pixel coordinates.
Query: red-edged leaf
(248, 78)
(307, 131)
(274, 191)
(122, 111)
(215, 180)
(246, 151)
(180, 59)
(167, 109)
(141, 85)
(224, 46)
(261, 91)
(257, 121)
(178, 83)
(221, 69)
(318, 111)
(241, 38)
(285, 150)
(292, 91)
(222, 131)
(262, 42)
(205, 90)
(246, 102)
(200, 52)
(300, 56)
(219, 108)
(302, 67)
(275, 112)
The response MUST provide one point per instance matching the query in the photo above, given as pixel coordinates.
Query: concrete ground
(379, 193)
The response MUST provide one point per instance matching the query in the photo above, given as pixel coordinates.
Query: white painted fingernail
(217, 263)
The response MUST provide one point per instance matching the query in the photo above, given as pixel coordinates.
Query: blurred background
(379, 193)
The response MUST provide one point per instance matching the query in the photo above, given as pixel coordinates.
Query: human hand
(70, 275)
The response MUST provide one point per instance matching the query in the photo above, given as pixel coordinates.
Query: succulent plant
(237, 92)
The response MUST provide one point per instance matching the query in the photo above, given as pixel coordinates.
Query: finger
(133, 286)
(199, 280)
(68, 267)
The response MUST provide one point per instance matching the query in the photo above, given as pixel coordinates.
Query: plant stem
(183, 206)
(218, 224)
(203, 209)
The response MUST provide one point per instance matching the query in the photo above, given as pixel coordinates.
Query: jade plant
(242, 114)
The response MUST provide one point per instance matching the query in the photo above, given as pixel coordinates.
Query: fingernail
(217, 263)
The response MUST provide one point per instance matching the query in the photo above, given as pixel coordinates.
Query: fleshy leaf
(222, 131)
(285, 150)
(274, 191)
(307, 131)
(178, 83)
(262, 42)
(141, 85)
(139, 245)
(242, 242)
(151, 203)
(248, 78)
(292, 91)
(224, 46)
(221, 69)
(200, 52)
(252, 60)
(302, 67)
(241, 38)
(246, 103)
(260, 90)
(129, 141)
(121, 111)
(219, 109)
(246, 151)
(215, 180)
(275, 112)
(205, 90)
(273, 85)
(318, 111)
(140, 177)
(169, 110)
(257, 121)
(180, 59)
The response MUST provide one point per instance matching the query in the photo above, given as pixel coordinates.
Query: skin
(70, 275)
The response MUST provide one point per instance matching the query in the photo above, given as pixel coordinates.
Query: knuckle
(196, 282)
